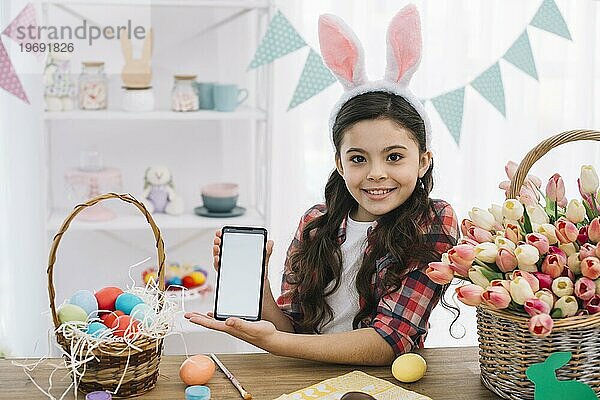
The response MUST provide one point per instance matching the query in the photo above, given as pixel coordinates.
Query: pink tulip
(529, 277)
(560, 253)
(566, 231)
(553, 266)
(465, 225)
(506, 260)
(466, 240)
(585, 288)
(569, 274)
(587, 250)
(593, 230)
(505, 283)
(555, 189)
(528, 196)
(544, 280)
(470, 294)
(590, 267)
(479, 235)
(538, 241)
(541, 325)
(440, 273)
(496, 297)
(593, 305)
(462, 254)
(460, 270)
(536, 306)
(583, 235)
(547, 296)
(513, 233)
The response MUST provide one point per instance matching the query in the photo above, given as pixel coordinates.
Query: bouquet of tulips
(528, 257)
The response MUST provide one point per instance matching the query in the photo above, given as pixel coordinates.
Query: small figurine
(59, 87)
(159, 193)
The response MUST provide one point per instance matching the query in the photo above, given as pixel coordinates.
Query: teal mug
(205, 95)
(228, 97)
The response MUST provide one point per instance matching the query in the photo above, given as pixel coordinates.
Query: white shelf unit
(188, 226)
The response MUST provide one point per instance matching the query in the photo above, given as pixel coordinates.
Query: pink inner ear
(405, 39)
(338, 52)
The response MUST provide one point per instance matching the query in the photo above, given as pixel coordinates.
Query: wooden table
(452, 373)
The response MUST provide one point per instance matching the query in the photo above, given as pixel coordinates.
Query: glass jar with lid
(93, 86)
(184, 96)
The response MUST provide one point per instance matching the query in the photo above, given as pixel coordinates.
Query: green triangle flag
(314, 79)
(520, 55)
(450, 107)
(280, 39)
(549, 18)
(489, 85)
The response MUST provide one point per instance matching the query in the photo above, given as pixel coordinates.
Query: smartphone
(241, 273)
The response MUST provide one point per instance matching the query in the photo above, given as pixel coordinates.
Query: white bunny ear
(342, 51)
(403, 45)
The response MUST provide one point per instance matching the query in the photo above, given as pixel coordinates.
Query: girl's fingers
(216, 262)
(216, 241)
(218, 233)
(210, 314)
(216, 250)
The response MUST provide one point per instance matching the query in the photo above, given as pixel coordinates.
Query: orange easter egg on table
(125, 324)
(197, 370)
(109, 318)
(107, 296)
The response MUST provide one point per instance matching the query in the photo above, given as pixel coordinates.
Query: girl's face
(380, 163)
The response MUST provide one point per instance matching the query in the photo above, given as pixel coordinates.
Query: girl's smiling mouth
(378, 193)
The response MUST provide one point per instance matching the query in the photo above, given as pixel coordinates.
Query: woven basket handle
(160, 247)
(538, 152)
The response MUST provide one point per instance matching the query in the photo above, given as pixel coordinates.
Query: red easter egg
(107, 296)
(109, 318)
(125, 323)
(188, 282)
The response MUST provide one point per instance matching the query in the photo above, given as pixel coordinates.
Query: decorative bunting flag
(489, 85)
(520, 55)
(25, 19)
(8, 77)
(450, 107)
(314, 79)
(549, 18)
(280, 39)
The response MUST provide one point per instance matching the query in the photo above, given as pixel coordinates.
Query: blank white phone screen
(240, 275)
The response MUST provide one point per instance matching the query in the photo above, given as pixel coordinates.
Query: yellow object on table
(358, 381)
(409, 367)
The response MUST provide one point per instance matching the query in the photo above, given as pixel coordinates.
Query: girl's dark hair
(318, 259)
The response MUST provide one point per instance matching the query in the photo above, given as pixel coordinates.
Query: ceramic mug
(205, 95)
(228, 97)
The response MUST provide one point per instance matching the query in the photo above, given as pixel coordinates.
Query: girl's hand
(217, 250)
(262, 333)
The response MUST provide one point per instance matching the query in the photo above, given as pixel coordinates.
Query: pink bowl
(220, 190)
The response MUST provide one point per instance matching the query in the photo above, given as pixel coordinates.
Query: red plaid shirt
(402, 316)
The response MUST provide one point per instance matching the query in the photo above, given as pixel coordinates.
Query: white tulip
(575, 211)
(486, 252)
(512, 209)
(588, 179)
(562, 286)
(520, 290)
(482, 218)
(504, 243)
(568, 248)
(496, 211)
(537, 215)
(549, 231)
(527, 255)
(574, 263)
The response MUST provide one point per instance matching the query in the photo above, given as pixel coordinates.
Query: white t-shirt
(345, 300)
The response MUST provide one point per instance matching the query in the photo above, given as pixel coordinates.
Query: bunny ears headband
(343, 54)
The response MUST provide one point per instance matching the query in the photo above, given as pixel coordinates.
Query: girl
(354, 289)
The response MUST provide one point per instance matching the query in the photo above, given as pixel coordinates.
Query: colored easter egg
(188, 282)
(96, 329)
(109, 318)
(151, 275)
(86, 300)
(197, 370)
(409, 367)
(175, 281)
(198, 277)
(126, 301)
(71, 312)
(198, 268)
(125, 325)
(106, 298)
(143, 313)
